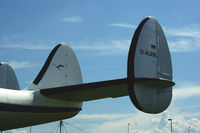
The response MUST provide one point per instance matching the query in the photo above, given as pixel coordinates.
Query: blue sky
(100, 33)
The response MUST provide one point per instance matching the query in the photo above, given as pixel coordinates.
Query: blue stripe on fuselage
(35, 109)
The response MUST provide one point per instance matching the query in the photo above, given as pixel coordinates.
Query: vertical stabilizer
(149, 68)
(60, 69)
(8, 78)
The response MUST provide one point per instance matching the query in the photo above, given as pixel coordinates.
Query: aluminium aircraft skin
(58, 92)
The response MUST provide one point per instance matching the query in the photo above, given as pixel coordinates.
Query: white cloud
(26, 47)
(141, 123)
(102, 47)
(185, 39)
(122, 25)
(107, 47)
(187, 31)
(72, 19)
(17, 43)
(16, 131)
(102, 116)
(184, 45)
(186, 92)
(191, 115)
(21, 64)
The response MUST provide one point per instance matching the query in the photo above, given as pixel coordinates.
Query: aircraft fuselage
(20, 108)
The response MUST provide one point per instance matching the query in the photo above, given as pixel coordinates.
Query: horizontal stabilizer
(88, 91)
(99, 90)
(149, 73)
(160, 83)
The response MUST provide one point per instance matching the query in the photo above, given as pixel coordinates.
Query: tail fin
(8, 78)
(149, 68)
(60, 69)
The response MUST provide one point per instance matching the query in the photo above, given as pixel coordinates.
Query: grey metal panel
(149, 58)
(145, 57)
(8, 78)
(88, 91)
(60, 69)
(153, 99)
(152, 56)
(164, 58)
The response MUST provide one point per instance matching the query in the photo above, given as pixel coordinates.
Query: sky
(100, 33)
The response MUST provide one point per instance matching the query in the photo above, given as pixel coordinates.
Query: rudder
(149, 68)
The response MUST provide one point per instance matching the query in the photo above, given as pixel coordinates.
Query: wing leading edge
(88, 91)
(99, 90)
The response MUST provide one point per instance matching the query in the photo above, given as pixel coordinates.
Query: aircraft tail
(60, 69)
(8, 78)
(149, 73)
